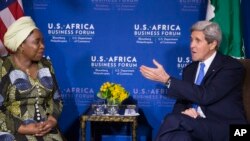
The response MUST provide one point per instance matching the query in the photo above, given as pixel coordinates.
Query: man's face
(200, 48)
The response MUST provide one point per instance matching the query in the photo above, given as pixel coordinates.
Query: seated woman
(30, 103)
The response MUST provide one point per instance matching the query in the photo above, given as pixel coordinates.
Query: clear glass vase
(112, 108)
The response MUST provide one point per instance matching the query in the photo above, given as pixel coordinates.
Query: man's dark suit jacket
(219, 95)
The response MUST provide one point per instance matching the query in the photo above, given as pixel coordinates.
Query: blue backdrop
(94, 41)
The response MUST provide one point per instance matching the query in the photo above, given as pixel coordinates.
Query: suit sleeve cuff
(168, 83)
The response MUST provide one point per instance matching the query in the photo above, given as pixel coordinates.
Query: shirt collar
(208, 61)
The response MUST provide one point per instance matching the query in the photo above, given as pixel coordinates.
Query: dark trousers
(180, 127)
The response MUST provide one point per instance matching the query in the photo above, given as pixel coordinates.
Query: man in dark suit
(203, 110)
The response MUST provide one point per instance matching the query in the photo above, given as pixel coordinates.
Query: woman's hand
(38, 129)
(47, 125)
(30, 129)
(155, 74)
(191, 112)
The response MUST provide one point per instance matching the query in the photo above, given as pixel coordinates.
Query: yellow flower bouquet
(113, 93)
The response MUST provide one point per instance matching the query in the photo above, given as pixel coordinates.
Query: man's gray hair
(211, 31)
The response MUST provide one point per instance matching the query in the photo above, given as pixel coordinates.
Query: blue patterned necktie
(201, 74)
(199, 79)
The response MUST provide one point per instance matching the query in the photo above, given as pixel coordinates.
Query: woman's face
(33, 46)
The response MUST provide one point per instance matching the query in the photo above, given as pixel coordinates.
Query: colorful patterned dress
(25, 100)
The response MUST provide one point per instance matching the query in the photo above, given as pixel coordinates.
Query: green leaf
(100, 95)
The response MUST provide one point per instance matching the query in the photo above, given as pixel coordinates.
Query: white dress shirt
(207, 65)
